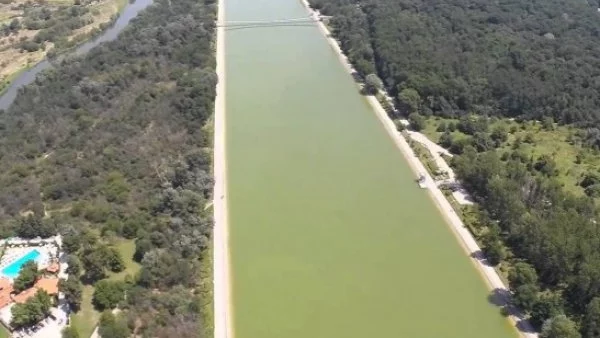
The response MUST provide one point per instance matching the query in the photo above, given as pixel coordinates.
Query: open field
(330, 236)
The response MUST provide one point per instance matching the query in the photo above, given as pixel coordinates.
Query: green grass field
(330, 235)
(86, 319)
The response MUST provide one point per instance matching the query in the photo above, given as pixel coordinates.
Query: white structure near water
(46, 252)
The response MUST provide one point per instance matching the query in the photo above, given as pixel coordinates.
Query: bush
(417, 122)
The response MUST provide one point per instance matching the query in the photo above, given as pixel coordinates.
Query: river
(329, 234)
(129, 12)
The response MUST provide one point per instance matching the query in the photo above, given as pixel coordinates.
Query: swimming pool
(12, 271)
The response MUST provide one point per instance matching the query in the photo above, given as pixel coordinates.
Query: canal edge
(221, 268)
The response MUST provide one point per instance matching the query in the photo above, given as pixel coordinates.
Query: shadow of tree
(480, 256)
(502, 299)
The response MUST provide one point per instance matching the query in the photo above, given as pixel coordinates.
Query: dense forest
(115, 146)
(471, 62)
(532, 59)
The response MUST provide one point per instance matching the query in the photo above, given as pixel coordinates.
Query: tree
(492, 247)
(142, 245)
(525, 296)
(32, 311)
(71, 242)
(94, 267)
(417, 122)
(27, 276)
(113, 326)
(114, 260)
(446, 140)
(590, 325)
(410, 99)
(107, 294)
(72, 290)
(442, 127)
(522, 273)
(494, 252)
(589, 179)
(499, 135)
(559, 327)
(546, 165)
(73, 265)
(482, 142)
(547, 306)
(548, 123)
(70, 332)
(33, 226)
(14, 25)
(373, 84)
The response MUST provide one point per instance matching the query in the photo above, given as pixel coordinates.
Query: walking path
(460, 194)
(222, 313)
(435, 151)
(501, 293)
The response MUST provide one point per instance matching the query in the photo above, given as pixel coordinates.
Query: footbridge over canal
(307, 19)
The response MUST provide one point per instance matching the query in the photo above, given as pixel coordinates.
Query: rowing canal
(329, 234)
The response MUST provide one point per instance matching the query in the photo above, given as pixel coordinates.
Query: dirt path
(222, 312)
(468, 243)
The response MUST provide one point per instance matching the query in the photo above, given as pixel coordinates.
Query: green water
(329, 234)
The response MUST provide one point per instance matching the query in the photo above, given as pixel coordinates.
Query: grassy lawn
(126, 248)
(87, 318)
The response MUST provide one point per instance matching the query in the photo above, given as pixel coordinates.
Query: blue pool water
(12, 271)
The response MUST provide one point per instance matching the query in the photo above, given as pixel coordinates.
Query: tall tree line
(534, 59)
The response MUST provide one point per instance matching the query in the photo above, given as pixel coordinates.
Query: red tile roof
(5, 291)
(50, 285)
(25, 295)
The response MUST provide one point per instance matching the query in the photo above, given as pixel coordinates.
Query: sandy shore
(465, 238)
(221, 270)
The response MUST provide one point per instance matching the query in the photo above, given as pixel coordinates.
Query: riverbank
(222, 313)
(466, 240)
